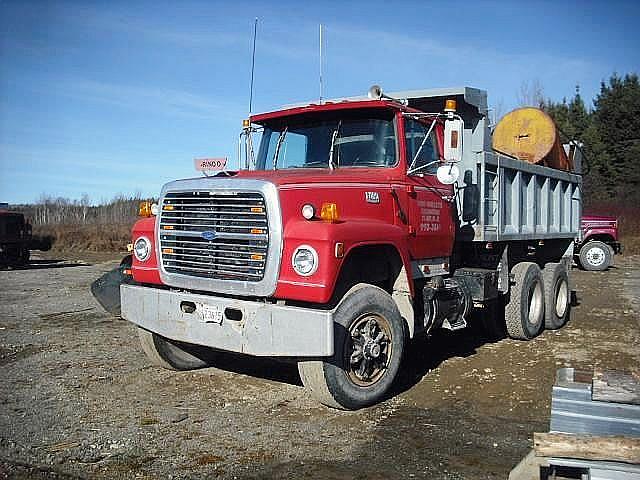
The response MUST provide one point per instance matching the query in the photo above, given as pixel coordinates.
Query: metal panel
(600, 470)
(265, 329)
(521, 201)
(574, 411)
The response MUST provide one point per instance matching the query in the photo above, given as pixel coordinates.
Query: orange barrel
(529, 134)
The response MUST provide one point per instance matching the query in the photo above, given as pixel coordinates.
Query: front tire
(369, 338)
(595, 256)
(524, 312)
(557, 295)
(172, 355)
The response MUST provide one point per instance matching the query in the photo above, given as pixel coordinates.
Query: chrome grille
(218, 235)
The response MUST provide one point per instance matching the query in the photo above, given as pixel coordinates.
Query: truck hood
(598, 218)
(319, 175)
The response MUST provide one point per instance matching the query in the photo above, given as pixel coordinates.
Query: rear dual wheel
(538, 298)
(557, 295)
(524, 311)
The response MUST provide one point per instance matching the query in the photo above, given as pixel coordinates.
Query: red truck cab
(599, 242)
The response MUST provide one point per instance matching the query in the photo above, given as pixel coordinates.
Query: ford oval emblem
(208, 235)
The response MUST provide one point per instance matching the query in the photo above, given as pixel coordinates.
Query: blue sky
(119, 97)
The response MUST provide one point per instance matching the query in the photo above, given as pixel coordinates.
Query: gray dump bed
(502, 198)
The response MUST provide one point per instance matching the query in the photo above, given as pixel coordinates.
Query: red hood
(320, 175)
(598, 218)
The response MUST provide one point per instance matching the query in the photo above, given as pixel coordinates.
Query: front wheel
(369, 338)
(595, 256)
(172, 355)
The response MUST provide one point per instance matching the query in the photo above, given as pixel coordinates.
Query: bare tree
(497, 111)
(531, 94)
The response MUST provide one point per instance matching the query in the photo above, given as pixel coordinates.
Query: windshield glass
(307, 142)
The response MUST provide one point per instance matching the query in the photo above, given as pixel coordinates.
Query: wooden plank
(587, 447)
(528, 468)
(615, 386)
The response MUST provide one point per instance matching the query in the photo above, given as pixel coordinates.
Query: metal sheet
(573, 411)
(601, 470)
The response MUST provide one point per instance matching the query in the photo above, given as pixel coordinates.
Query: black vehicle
(16, 239)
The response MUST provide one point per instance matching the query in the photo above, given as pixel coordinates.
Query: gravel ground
(78, 399)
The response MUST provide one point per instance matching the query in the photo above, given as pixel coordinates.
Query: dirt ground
(78, 399)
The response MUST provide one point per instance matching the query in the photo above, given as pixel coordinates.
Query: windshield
(328, 143)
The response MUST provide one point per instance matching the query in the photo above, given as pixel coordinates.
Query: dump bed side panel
(505, 199)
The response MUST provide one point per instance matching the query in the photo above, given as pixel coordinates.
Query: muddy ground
(79, 400)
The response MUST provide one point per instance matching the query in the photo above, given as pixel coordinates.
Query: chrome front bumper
(256, 328)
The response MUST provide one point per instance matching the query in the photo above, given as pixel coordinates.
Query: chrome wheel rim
(595, 256)
(562, 297)
(369, 349)
(536, 301)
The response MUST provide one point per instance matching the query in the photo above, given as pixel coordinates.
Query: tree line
(609, 130)
(50, 210)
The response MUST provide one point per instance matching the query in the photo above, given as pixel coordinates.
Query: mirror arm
(415, 157)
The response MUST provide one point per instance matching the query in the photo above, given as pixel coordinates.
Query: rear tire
(557, 295)
(524, 312)
(369, 339)
(172, 355)
(595, 256)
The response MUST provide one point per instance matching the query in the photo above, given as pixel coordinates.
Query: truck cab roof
(470, 101)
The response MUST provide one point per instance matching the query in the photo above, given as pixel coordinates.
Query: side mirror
(453, 130)
(448, 174)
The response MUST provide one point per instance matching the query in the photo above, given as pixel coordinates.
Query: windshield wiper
(283, 133)
(332, 165)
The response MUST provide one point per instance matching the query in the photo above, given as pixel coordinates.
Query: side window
(425, 152)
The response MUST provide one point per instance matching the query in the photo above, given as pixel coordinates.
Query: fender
(147, 271)
(323, 236)
(609, 232)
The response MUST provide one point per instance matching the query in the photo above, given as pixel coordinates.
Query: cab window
(422, 155)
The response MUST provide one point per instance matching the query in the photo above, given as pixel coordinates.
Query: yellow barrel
(530, 134)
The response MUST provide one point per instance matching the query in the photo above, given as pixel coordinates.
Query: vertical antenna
(253, 64)
(320, 64)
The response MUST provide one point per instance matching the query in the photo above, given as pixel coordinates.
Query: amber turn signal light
(329, 212)
(144, 209)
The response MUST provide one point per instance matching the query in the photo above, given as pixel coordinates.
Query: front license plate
(211, 314)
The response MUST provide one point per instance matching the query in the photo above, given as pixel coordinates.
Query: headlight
(305, 260)
(308, 211)
(142, 248)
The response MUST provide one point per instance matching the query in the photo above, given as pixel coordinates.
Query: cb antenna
(320, 64)
(253, 64)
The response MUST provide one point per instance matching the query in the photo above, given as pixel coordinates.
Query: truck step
(458, 325)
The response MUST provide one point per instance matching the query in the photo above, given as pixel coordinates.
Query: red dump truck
(359, 224)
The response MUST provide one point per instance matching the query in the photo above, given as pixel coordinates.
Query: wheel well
(602, 237)
(377, 265)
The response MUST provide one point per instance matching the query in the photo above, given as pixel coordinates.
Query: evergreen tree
(617, 122)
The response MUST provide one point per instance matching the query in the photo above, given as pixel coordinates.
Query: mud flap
(106, 289)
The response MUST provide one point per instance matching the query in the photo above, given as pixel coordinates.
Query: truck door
(431, 223)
